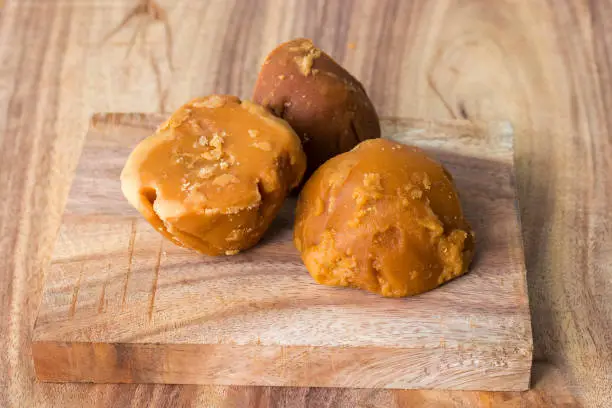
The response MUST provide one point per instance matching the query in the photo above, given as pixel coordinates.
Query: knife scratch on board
(155, 278)
(129, 267)
(102, 301)
(75, 291)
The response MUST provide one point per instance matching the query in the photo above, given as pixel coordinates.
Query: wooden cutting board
(121, 304)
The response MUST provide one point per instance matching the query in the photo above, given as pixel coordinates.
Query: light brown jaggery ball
(383, 217)
(326, 106)
(215, 174)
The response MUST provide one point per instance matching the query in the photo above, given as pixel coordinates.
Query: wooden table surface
(544, 65)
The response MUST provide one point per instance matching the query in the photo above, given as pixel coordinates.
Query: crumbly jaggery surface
(215, 174)
(385, 218)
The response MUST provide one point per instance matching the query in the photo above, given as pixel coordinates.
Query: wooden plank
(121, 304)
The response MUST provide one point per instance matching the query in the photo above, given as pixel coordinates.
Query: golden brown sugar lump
(384, 217)
(215, 174)
(328, 108)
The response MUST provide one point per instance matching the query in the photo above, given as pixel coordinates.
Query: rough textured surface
(122, 304)
(384, 217)
(328, 108)
(215, 174)
(544, 65)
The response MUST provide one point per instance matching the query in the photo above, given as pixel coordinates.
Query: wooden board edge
(498, 133)
(300, 366)
(131, 119)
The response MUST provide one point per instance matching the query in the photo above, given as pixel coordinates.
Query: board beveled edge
(257, 365)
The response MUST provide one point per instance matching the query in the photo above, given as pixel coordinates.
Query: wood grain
(121, 304)
(542, 64)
